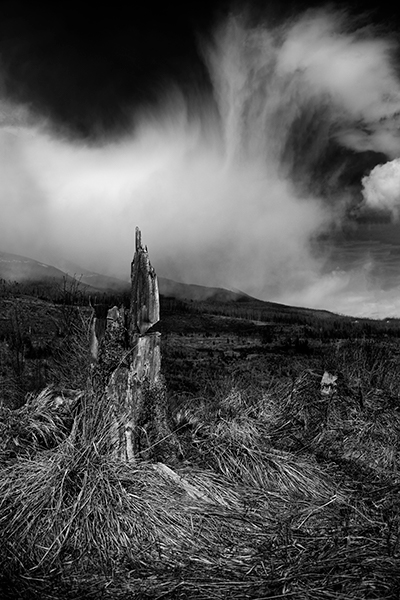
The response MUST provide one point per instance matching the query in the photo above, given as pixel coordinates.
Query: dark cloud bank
(243, 141)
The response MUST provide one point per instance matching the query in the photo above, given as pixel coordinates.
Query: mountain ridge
(15, 267)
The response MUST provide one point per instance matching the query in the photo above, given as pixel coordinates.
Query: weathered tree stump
(127, 359)
(145, 299)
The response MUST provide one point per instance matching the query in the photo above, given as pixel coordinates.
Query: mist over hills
(14, 267)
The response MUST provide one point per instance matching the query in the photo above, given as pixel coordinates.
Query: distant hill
(200, 293)
(167, 287)
(93, 279)
(22, 269)
(14, 267)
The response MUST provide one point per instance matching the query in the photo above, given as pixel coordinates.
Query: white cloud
(381, 188)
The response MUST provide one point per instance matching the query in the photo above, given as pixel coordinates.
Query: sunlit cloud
(381, 188)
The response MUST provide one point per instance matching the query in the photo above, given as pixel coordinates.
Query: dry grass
(39, 424)
(265, 522)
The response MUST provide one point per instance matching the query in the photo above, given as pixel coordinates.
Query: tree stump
(127, 360)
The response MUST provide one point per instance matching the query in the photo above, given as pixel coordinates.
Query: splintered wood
(128, 363)
(145, 300)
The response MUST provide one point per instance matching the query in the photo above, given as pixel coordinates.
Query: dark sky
(86, 67)
(86, 64)
(94, 84)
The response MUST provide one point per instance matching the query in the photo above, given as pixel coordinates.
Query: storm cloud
(233, 179)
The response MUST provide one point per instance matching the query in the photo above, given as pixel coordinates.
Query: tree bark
(128, 366)
(145, 300)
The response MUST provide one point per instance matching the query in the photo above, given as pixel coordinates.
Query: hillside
(22, 269)
(200, 293)
(280, 487)
(14, 267)
(30, 273)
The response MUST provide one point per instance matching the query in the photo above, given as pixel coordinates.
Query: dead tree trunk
(128, 366)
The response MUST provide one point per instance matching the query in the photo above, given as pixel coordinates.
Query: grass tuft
(272, 501)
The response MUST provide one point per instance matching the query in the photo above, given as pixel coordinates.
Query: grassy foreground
(263, 522)
(278, 493)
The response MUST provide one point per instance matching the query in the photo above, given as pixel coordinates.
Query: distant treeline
(315, 324)
(67, 291)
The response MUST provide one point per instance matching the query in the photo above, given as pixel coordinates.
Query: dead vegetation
(277, 491)
(262, 521)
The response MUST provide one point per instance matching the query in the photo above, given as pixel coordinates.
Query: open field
(278, 491)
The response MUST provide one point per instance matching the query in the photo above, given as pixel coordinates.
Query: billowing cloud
(381, 188)
(354, 67)
(231, 194)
